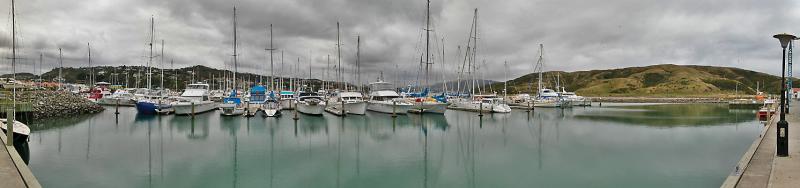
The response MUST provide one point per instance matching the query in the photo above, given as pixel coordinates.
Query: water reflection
(458, 149)
(669, 115)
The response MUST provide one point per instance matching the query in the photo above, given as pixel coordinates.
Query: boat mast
(10, 125)
(427, 42)
(444, 79)
(150, 61)
(326, 73)
(91, 69)
(339, 58)
(540, 64)
(235, 67)
(358, 63)
(280, 81)
(162, 64)
(175, 73)
(271, 64)
(60, 68)
(505, 84)
(40, 66)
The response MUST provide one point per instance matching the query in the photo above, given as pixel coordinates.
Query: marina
(424, 93)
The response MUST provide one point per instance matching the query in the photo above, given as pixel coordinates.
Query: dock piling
(394, 109)
(192, 109)
(295, 113)
(116, 108)
(10, 126)
(480, 109)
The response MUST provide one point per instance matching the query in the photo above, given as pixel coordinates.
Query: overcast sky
(577, 34)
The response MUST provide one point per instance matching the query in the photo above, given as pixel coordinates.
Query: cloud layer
(577, 35)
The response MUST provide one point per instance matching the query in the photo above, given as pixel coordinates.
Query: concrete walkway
(760, 168)
(9, 175)
(14, 172)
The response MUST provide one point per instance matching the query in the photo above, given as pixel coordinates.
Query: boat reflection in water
(458, 149)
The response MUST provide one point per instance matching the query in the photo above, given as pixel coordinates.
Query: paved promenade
(13, 171)
(760, 168)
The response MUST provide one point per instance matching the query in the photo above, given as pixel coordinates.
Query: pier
(14, 172)
(760, 167)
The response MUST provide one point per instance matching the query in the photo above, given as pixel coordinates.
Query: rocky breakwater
(57, 103)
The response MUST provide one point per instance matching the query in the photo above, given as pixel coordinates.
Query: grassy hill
(655, 81)
(184, 76)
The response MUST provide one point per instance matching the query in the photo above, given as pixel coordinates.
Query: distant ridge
(664, 80)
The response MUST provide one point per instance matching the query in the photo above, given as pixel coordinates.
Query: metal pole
(783, 126)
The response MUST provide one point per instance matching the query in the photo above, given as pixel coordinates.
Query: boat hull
(185, 108)
(388, 107)
(147, 107)
(116, 101)
(310, 109)
(286, 104)
(472, 106)
(501, 108)
(429, 107)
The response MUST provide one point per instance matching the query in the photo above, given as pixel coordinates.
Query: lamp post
(783, 126)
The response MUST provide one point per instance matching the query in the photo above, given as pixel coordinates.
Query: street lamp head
(784, 39)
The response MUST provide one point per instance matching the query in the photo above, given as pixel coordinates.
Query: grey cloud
(577, 35)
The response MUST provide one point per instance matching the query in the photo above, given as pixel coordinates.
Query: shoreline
(657, 100)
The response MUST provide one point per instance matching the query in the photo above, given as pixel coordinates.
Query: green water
(695, 145)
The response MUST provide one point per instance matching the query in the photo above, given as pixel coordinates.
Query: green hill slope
(656, 81)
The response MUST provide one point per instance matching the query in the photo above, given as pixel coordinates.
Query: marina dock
(760, 167)
(14, 173)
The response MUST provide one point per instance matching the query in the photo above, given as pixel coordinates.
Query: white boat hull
(501, 108)
(185, 108)
(310, 109)
(286, 104)
(429, 107)
(115, 101)
(471, 106)
(388, 107)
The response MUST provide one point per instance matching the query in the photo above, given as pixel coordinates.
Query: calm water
(621, 146)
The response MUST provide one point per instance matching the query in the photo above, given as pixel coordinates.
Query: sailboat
(232, 105)
(21, 132)
(348, 102)
(423, 103)
(153, 101)
(476, 101)
(545, 97)
(271, 105)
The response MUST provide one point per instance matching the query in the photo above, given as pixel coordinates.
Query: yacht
(100, 90)
(383, 98)
(424, 104)
(287, 98)
(549, 98)
(232, 105)
(575, 100)
(309, 102)
(347, 103)
(120, 97)
(194, 100)
(476, 103)
(256, 100)
(154, 102)
(272, 106)
(498, 105)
